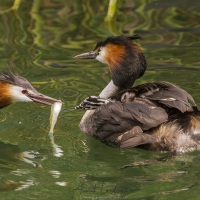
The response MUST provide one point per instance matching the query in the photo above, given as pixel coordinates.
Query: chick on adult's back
(148, 115)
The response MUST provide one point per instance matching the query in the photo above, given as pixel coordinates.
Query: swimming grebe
(157, 116)
(14, 88)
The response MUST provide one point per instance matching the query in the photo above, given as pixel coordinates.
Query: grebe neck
(109, 91)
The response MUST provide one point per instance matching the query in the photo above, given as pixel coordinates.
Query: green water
(39, 41)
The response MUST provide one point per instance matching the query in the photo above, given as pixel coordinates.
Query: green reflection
(39, 41)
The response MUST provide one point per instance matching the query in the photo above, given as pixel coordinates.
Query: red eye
(24, 91)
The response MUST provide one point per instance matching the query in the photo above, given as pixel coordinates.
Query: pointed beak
(88, 55)
(42, 99)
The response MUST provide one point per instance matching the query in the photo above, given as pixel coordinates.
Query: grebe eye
(24, 91)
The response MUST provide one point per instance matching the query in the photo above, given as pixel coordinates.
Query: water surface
(39, 41)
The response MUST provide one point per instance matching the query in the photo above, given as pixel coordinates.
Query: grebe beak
(88, 55)
(42, 99)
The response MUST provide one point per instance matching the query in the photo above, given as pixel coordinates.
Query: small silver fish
(55, 110)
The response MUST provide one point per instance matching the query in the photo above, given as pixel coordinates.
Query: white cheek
(102, 56)
(16, 93)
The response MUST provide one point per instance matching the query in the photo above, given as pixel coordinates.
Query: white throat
(110, 90)
(16, 93)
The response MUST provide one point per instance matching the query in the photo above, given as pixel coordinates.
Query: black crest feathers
(117, 40)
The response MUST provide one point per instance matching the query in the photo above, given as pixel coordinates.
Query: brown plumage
(157, 116)
(5, 95)
(149, 117)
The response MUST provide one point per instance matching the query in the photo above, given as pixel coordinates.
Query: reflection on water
(3, 116)
(9, 155)
(57, 174)
(39, 41)
(57, 151)
(28, 157)
(25, 185)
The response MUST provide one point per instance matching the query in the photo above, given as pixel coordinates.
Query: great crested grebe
(156, 116)
(14, 88)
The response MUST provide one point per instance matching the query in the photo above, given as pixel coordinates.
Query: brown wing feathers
(120, 117)
(131, 138)
(123, 123)
(165, 93)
